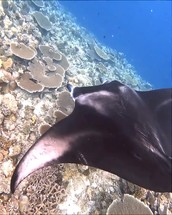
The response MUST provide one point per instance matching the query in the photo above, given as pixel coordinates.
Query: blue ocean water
(140, 29)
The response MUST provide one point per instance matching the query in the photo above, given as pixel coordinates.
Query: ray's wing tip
(14, 184)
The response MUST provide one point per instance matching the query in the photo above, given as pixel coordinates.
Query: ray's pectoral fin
(52, 146)
(114, 128)
(160, 104)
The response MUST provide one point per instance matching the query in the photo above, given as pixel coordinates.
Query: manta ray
(113, 128)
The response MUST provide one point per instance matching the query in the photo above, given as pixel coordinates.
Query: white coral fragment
(8, 104)
(129, 205)
(7, 168)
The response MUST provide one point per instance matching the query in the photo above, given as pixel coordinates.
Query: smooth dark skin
(113, 128)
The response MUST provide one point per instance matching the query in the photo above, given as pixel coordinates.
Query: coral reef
(41, 49)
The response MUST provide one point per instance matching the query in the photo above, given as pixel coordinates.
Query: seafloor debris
(8, 104)
(7, 64)
(23, 204)
(14, 150)
(42, 20)
(7, 168)
(101, 68)
(23, 51)
(5, 77)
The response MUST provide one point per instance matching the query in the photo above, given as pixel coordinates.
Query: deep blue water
(139, 29)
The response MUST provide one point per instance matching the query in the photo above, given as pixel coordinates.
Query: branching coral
(45, 191)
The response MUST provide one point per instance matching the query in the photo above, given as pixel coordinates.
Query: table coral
(26, 83)
(129, 205)
(42, 20)
(101, 53)
(23, 51)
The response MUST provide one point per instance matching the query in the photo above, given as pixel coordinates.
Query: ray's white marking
(43, 152)
(94, 100)
(71, 90)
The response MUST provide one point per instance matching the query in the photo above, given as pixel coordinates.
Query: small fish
(113, 128)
